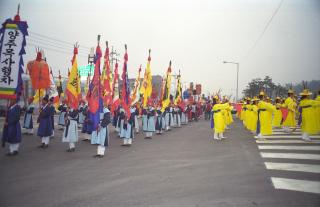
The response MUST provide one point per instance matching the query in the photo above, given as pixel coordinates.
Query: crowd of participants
(154, 120)
(261, 114)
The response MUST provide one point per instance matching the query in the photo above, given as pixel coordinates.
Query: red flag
(94, 93)
(115, 90)
(125, 92)
(107, 96)
(39, 73)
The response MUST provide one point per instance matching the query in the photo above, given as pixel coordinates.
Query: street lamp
(224, 62)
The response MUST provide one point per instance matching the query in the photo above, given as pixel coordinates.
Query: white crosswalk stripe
(287, 142)
(293, 167)
(296, 185)
(288, 136)
(286, 147)
(279, 155)
(276, 147)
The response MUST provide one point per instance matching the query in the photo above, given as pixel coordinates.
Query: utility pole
(114, 57)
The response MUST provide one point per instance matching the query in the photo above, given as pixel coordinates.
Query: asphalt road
(183, 167)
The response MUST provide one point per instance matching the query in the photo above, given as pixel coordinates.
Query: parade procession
(108, 107)
(105, 107)
(160, 103)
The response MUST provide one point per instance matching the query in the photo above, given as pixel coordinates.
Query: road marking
(282, 130)
(296, 185)
(287, 136)
(285, 133)
(290, 156)
(287, 142)
(293, 167)
(279, 147)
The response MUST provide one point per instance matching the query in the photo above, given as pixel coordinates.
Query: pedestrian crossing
(293, 159)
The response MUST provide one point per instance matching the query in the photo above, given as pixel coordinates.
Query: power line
(52, 49)
(52, 45)
(54, 39)
(265, 29)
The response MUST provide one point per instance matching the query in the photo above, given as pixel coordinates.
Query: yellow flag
(73, 88)
(178, 91)
(39, 94)
(146, 88)
(166, 93)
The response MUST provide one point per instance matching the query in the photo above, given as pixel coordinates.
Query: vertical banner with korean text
(12, 43)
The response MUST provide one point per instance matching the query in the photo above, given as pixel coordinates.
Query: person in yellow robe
(219, 124)
(246, 118)
(227, 113)
(243, 111)
(248, 115)
(277, 117)
(265, 111)
(318, 109)
(307, 109)
(253, 115)
(291, 105)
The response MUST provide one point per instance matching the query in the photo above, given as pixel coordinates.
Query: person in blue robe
(102, 140)
(115, 117)
(120, 121)
(176, 117)
(127, 131)
(81, 115)
(53, 112)
(12, 129)
(45, 125)
(184, 116)
(149, 122)
(70, 134)
(136, 123)
(160, 122)
(61, 120)
(87, 125)
(28, 121)
(169, 118)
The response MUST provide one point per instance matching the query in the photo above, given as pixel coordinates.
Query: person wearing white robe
(149, 123)
(160, 122)
(61, 120)
(102, 140)
(81, 115)
(136, 123)
(28, 121)
(184, 117)
(176, 117)
(70, 133)
(169, 118)
(127, 131)
(120, 121)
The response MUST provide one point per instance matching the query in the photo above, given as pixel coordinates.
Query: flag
(53, 92)
(39, 73)
(59, 85)
(166, 93)
(177, 99)
(37, 96)
(161, 92)
(146, 88)
(125, 92)
(135, 96)
(106, 84)
(115, 89)
(12, 43)
(94, 93)
(73, 85)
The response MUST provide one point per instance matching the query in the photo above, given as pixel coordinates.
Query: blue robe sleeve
(14, 116)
